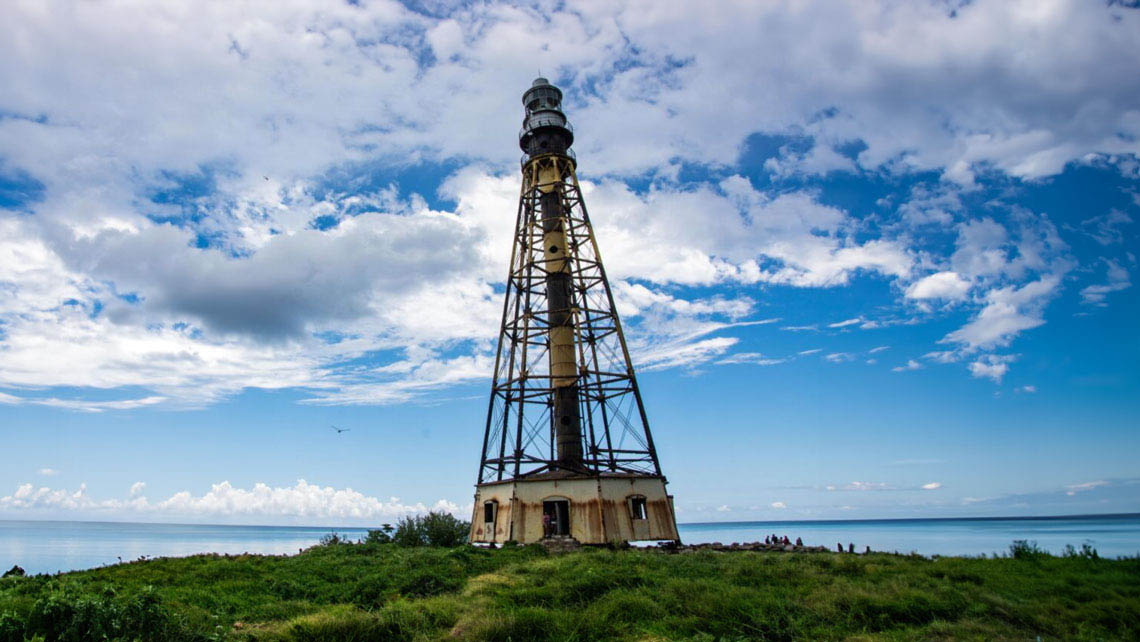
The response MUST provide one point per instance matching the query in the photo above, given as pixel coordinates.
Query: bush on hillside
(383, 535)
(433, 529)
(443, 529)
(1022, 549)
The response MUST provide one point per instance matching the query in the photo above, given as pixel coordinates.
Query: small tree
(443, 529)
(377, 537)
(433, 529)
(409, 531)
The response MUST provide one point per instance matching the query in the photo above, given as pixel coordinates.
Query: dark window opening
(637, 508)
(489, 511)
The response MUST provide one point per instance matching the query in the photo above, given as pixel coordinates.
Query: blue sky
(877, 266)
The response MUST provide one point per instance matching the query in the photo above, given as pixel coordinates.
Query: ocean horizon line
(1134, 515)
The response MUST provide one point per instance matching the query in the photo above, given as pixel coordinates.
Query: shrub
(1022, 549)
(67, 617)
(433, 529)
(333, 539)
(443, 529)
(1087, 552)
(382, 536)
(11, 628)
(409, 531)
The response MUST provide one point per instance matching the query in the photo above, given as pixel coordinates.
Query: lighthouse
(567, 451)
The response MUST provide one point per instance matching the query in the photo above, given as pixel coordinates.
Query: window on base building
(489, 511)
(637, 507)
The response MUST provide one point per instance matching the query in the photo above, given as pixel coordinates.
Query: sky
(874, 259)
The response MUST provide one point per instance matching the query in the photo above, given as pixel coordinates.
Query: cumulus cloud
(303, 502)
(932, 486)
(193, 244)
(1007, 312)
(991, 366)
(48, 472)
(941, 285)
(778, 505)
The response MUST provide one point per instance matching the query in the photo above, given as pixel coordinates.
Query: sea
(50, 547)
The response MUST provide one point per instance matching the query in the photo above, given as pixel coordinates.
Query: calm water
(1111, 535)
(47, 547)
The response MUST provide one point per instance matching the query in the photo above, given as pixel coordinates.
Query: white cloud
(1117, 280)
(1107, 229)
(754, 358)
(839, 357)
(862, 486)
(878, 349)
(804, 353)
(844, 324)
(1027, 389)
(303, 502)
(48, 472)
(81, 404)
(991, 366)
(911, 364)
(941, 285)
(723, 509)
(294, 105)
(1008, 311)
(778, 505)
(1073, 489)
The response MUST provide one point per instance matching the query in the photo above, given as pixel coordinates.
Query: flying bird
(340, 430)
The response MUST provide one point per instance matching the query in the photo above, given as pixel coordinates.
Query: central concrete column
(564, 409)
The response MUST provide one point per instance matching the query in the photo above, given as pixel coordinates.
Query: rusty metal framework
(522, 437)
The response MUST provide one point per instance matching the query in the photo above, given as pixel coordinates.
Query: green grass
(350, 592)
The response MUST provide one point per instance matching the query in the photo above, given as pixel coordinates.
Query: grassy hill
(358, 592)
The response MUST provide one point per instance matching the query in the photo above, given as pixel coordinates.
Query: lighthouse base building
(590, 510)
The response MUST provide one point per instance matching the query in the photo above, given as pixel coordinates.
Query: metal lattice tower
(564, 401)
